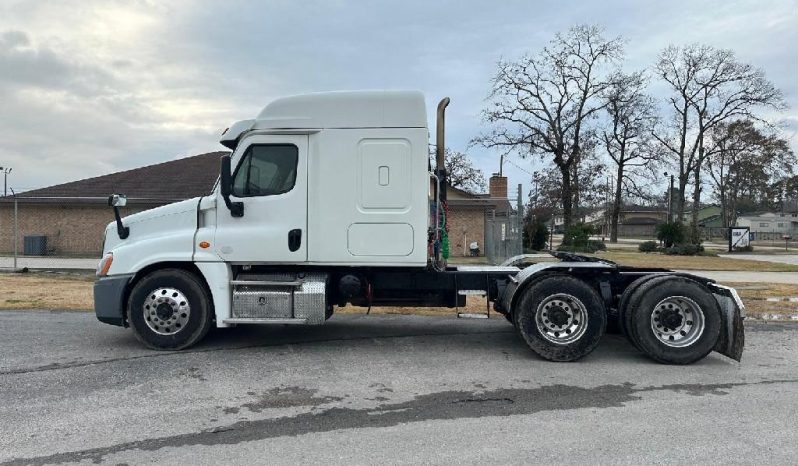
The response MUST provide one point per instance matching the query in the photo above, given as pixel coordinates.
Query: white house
(773, 223)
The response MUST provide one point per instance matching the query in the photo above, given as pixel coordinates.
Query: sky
(92, 87)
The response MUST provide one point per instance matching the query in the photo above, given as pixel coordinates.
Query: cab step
(265, 320)
(470, 315)
(274, 283)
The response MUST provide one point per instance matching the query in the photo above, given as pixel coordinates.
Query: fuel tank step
(271, 321)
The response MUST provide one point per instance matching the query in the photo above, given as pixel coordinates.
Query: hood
(159, 221)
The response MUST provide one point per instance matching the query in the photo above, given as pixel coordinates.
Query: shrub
(537, 235)
(590, 246)
(577, 235)
(685, 249)
(748, 248)
(647, 246)
(671, 233)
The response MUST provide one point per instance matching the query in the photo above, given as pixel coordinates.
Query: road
(382, 389)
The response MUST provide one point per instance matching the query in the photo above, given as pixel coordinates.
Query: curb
(773, 318)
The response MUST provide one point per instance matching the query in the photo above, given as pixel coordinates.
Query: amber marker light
(204, 244)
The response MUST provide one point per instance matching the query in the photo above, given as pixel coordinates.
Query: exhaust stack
(441, 245)
(440, 136)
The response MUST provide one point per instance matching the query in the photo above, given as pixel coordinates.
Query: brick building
(468, 214)
(73, 215)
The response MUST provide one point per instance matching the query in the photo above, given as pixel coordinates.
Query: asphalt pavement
(382, 389)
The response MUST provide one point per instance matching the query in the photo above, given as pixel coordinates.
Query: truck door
(270, 178)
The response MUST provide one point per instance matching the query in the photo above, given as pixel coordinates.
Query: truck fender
(535, 272)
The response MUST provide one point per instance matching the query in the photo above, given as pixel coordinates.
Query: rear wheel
(674, 320)
(169, 310)
(624, 316)
(561, 318)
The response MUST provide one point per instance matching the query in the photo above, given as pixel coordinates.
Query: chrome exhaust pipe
(440, 135)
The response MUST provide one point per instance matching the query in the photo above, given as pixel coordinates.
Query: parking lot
(382, 389)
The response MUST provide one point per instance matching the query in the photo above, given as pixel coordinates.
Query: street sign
(739, 237)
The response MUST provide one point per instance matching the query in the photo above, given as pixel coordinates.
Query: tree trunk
(695, 235)
(616, 205)
(567, 197)
(724, 208)
(680, 197)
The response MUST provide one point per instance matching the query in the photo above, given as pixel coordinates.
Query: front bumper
(109, 295)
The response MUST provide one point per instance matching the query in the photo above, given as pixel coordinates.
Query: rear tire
(169, 310)
(674, 320)
(561, 318)
(624, 316)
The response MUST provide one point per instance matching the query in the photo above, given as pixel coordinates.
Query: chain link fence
(504, 231)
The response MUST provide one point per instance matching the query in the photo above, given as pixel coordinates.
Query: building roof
(165, 182)
(456, 197)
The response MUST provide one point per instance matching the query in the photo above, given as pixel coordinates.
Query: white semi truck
(329, 200)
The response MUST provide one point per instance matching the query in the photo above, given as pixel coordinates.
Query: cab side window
(266, 170)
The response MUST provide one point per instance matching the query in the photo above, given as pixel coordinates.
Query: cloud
(93, 86)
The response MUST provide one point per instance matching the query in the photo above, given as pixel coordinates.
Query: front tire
(561, 318)
(169, 310)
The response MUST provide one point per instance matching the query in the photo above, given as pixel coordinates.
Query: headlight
(105, 265)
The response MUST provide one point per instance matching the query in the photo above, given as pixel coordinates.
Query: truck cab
(326, 201)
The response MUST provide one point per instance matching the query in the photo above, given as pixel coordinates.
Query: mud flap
(732, 336)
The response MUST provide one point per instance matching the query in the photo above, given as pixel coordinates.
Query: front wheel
(169, 310)
(561, 318)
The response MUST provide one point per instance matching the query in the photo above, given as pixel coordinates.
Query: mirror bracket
(225, 182)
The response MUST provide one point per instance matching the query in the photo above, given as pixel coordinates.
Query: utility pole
(5, 171)
(16, 230)
(670, 199)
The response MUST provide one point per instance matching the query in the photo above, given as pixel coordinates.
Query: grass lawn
(653, 259)
(754, 296)
(46, 291)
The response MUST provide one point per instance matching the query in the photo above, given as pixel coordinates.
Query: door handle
(294, 239)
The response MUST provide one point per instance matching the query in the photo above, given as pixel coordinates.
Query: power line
(506, 159)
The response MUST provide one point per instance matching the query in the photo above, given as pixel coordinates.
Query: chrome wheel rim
(561, 318)
(677, 321)
(166, 311)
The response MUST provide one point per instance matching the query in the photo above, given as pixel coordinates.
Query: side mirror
(225, 187)
(116, 201)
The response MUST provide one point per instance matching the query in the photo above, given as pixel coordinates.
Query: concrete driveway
(49, 263)
(779, 258)
(382, 389)
(739, 276)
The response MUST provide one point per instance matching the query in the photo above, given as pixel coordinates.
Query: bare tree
(743, 161)
(460, 171)
(542, 104)
(627, 137)
(708, 86)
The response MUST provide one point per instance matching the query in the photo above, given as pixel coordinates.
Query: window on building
(781, 225)
(266, 170)
(764, 225)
